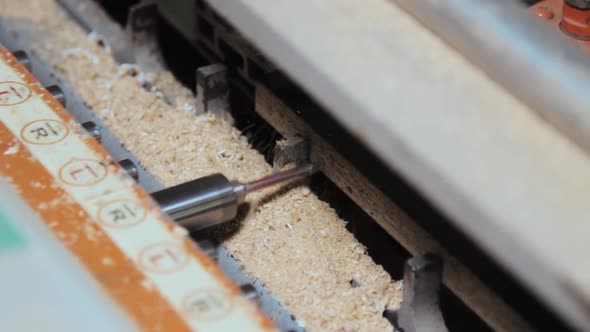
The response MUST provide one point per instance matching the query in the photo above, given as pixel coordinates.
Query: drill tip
(297, 172)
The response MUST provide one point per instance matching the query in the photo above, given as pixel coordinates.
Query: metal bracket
(420, 310)
(213, 91)
(23, 58)
(130, 168)
(293, 150)
(142, 26)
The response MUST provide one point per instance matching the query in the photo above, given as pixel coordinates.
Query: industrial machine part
(202, 202)
(214, 199)
(93, 129)
(420, 310)
(127, 165)
(57, 93)
(23, 58)
(432, 113)
(212, 90)
(425, 114)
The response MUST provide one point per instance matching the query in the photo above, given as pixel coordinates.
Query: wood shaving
(292, 242)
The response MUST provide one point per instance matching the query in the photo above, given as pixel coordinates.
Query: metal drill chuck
(203, 202)
(214, 199)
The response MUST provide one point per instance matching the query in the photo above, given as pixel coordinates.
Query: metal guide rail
(146, 264)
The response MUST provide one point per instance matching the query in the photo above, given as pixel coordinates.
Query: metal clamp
(293, 150)
(92, 129)
(420, 310)
(213, 91)
(142, 26)
(130, 168)
(57, 93)
(23, 58)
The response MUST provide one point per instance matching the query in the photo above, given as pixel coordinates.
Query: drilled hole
(255, 72)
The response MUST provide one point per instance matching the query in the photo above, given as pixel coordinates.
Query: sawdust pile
(295, 243)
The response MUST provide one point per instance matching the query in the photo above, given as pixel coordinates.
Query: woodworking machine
(459, 128)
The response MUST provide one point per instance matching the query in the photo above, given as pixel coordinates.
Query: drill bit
(214, 199)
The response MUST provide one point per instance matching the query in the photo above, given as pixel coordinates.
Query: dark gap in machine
(183, 64)
(384, 250)
(118, 9)
(254, 70)
(260, 134)
(232, 57)
(200, 4)
(206, 29)
(529, 2)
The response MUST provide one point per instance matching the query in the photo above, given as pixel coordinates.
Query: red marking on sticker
(82, 172)
(13, 93)
(163, 258)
